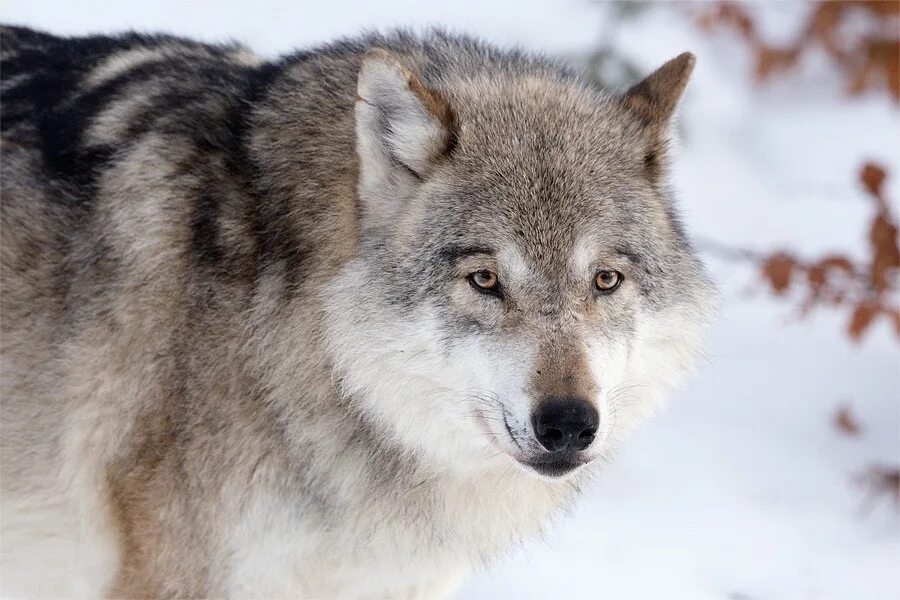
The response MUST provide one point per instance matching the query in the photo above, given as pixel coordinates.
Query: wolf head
(522, 287)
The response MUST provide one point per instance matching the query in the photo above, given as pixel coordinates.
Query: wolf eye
(607, 280)
(485, 281)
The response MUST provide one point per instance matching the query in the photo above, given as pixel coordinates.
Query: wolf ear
(402, 128)
(655, 98)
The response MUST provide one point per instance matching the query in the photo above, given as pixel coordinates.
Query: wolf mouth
(556, 467)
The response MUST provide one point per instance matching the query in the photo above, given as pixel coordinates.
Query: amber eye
(607, 280)
(485, 281)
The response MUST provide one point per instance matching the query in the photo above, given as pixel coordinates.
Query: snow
(743, 488)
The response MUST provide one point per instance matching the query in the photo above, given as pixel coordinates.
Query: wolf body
(344, 324)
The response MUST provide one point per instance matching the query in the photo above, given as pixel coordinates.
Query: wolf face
(522, 287)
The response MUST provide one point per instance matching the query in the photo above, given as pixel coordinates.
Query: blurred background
(774, 472)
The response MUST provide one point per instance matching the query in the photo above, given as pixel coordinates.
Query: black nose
(565, 424)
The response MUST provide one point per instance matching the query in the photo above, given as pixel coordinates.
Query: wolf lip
(509, 430)
(556, 467)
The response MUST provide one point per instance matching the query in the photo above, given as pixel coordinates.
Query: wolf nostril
(565, 424)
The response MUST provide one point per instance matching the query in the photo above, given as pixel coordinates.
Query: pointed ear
(402, 128)
(655, 98)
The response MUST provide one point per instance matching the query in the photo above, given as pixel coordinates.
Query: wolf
(344, 324)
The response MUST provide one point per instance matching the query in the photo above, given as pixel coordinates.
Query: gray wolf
(344, 324)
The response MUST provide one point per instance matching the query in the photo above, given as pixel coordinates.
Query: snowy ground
(744, 488)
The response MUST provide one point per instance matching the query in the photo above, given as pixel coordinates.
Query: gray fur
(201, 298)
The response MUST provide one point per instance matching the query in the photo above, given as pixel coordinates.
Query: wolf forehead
(540, 158)
(541, 135)
(512, 152)
(543, 122)
(551, 169)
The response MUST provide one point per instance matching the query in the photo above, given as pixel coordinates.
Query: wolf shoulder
(98, 131)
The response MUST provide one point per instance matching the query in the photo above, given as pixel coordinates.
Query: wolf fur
(241, 352)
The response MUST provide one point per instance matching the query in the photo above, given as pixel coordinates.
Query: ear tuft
(655, 98)
(395, 110)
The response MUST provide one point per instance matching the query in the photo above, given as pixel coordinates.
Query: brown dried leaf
(731, 15)
(771, 60)
(846, 423)
(872, 176)
(893, 74)
(865, 51)
(882, 8)
(862, 318)
(816, 276)
(883, 239)
(778, 271)
(825, 18)
(837, 263)
(888, 59)
(736, 16)
(878, 63)
(861, 76)
(894, 315)
(881, 481)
